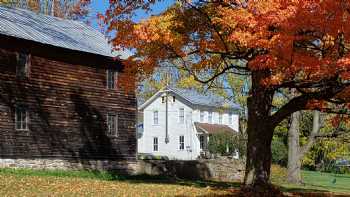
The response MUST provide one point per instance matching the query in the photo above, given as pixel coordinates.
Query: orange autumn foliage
(295, 39)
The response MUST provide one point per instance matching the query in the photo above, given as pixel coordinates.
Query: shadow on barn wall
(62, 126)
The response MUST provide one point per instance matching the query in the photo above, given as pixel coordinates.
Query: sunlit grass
(313, 181)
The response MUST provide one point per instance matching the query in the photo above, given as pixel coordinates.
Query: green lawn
(315, 181)
(25, 182)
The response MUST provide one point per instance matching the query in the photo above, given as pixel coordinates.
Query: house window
(155, 118)
(155, 144)
(201, 142)
(22, 66)
(21, 118)
(163, 99)
(112, 124)
(111, 79)
(210, 117)
(201, 116)
(182, 142)
(182, 115)
(230, 118)
(220, 118)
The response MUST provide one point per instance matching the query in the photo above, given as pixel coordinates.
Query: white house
(177, 122)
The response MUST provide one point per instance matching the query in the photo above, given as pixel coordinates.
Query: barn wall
(67, 106)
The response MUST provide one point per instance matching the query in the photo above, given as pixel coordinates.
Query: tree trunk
(260, 132)
(294, 164)
(295, 152)
(259, 155)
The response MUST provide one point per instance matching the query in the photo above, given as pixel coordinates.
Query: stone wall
(123, 167)
(209, 169)
(219, 169)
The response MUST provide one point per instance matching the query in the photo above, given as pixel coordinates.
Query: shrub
(279, 152)
(223, 143)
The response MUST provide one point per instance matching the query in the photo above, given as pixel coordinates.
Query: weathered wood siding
(67, 106)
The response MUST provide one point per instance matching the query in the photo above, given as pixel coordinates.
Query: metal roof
(195, 98)
(54, 31)
(208, 99)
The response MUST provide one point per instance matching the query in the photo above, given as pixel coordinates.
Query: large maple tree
(301, 45)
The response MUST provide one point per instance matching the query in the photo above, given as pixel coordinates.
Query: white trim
(184, 116)
(153, 122)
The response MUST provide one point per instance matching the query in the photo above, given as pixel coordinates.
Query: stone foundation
(125, 167)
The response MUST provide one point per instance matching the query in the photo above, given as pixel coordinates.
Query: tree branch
(300, 102)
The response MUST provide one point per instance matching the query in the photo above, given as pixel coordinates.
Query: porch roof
(213, 128)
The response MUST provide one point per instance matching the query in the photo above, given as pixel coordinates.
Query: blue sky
(100, 6)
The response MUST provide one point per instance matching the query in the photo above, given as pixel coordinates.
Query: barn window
(111, 79)
(22, 66)
(21, 118)
(182, 142)
(155, 144)
(112, 124)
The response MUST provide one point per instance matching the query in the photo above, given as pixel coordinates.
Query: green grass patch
(314, 182)
(85, 174)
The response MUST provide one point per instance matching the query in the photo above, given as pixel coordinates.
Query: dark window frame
(181, 142)
(155, 144)
(23, 63)
(112, 124)
(111, 79)
(201, 142)
(21, 118)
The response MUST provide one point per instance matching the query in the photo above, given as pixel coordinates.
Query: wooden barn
(60, 105)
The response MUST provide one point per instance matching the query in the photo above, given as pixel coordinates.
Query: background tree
(299, 45)
(70, 9)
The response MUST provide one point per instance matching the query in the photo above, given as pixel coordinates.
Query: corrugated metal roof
(193, 97)
(210, 100)
(54, 31)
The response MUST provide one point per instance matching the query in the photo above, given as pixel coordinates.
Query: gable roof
(213, 128)
(195, 98)
(69, 34)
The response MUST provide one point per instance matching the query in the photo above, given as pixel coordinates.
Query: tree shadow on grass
(151, 179)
